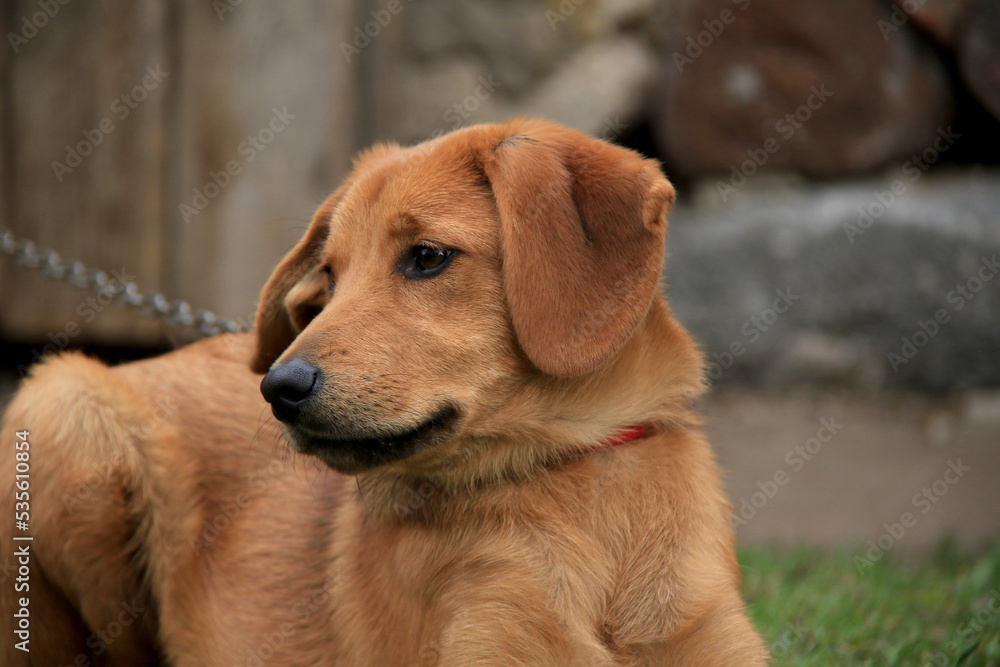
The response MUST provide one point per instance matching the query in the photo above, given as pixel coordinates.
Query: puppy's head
(441, 278)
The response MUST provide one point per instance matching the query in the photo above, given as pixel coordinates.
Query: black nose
(286, 387)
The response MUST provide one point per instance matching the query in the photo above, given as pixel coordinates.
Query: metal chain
(126, 293)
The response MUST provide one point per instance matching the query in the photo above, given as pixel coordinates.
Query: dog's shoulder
(72, 395)
(221, 362)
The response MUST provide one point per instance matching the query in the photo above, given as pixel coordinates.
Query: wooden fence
(183, 144)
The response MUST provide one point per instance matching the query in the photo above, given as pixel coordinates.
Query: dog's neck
(428, 497)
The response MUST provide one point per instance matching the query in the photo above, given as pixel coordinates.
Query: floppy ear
(294, 294)
(582, 231)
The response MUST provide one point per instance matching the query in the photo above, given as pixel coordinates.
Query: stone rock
(824, 89)
(848, 284)
(444, 95)
(583, 63)
(517, 40)
(598, 88)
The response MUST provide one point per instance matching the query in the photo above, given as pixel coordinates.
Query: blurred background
(834, 248)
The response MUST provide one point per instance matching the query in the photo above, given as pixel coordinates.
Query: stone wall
(836, 159)
(821, 89)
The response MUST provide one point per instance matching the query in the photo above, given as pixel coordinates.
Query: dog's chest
(417, 595)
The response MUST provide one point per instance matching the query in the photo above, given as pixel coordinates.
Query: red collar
(622, 437)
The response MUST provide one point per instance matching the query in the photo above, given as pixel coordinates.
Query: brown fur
(509, 541)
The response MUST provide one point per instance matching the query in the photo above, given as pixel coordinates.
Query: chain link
(126, 293)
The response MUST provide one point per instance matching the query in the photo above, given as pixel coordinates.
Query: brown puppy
(473, 329)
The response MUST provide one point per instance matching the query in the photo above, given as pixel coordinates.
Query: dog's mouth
(352, 455)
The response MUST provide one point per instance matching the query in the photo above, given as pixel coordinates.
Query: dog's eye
(425, 261)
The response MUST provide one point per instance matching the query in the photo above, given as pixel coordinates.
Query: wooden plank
(260, 134)
(195, 186)
(82, 170)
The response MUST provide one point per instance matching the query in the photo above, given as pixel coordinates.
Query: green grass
(816, 608)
